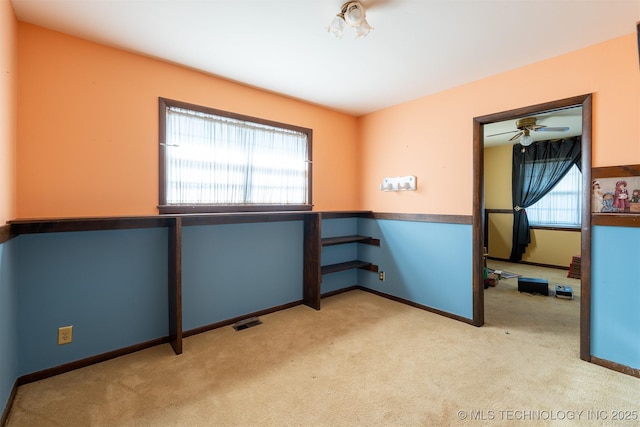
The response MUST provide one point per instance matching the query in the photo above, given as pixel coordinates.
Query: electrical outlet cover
(65, 335)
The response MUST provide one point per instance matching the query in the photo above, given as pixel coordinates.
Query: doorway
(584, 101)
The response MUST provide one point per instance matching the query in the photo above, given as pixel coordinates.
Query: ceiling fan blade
(516, 136)
(552, 129)
(501, 133)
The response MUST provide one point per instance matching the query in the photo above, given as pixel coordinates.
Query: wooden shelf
(341, 240)
(334, 268)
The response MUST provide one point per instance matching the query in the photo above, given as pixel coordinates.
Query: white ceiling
(417, 48)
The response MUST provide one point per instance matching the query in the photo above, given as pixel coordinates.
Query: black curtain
(536, 170)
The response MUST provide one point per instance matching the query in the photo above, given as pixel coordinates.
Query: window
(216, 161)
(561, 207)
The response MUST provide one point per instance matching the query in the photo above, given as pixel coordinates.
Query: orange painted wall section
(432, 137)
(8, 103)
(88, 128)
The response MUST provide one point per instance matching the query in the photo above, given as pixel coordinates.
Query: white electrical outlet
(65, 335)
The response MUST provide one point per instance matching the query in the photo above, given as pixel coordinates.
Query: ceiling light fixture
(353, 14)
(526, 139)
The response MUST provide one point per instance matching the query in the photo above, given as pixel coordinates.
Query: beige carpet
(362, 360)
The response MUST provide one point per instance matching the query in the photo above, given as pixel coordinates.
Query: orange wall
(88, 128)
(431, 137)
(8, 103)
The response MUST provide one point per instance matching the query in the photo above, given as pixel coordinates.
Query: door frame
(585, 101)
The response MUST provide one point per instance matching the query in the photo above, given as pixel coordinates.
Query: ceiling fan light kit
(526, 139)
(527, 125)
(353, 14)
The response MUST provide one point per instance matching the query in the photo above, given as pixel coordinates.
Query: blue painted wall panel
(339, 253)
(235, 269)
(427, 263)
(615, 295)
(340, 280)
(110, 285)
(339, 227)
(334, 255)
(8, 322)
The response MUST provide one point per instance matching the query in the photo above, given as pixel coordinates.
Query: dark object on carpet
(491, 280)
(533, 285)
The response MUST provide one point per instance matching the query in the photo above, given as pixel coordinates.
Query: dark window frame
(164, 208)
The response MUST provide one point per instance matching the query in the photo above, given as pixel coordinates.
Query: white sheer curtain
(562, 205)
(219, 160)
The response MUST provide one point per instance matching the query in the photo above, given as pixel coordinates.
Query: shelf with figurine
(616, 189)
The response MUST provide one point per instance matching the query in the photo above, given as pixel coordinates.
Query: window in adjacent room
(561, 207)
(216, 161)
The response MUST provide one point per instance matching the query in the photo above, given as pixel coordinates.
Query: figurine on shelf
(607, 203)
(596, 196)
(635, 196)
(621, 196)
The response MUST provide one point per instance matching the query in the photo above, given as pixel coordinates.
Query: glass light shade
(526, 140)
(354, 14)
(336, 26)
(363, 29)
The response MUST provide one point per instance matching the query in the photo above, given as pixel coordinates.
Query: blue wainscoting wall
(425, 262)
(231, 270)
(110, 285)
(615, 295)
(8, 322)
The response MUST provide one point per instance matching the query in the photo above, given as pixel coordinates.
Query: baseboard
(634, 372)
(7, 408)
(536, 264)
(231, 321)
(67, 367)
(416, 305)
(340, 291)
(50, 372)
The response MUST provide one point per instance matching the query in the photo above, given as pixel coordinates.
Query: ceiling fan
(526, 126)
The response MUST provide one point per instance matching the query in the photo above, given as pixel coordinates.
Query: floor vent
(246, 323)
